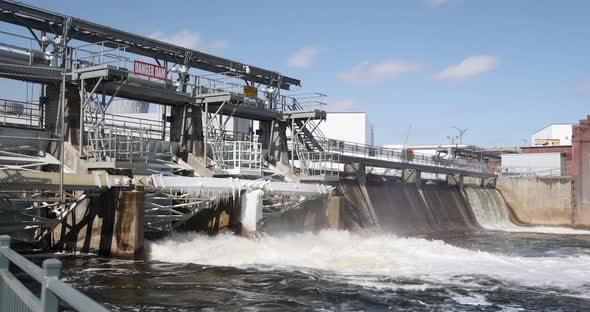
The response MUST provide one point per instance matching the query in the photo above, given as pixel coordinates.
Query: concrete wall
(539, 200)
(315, 215)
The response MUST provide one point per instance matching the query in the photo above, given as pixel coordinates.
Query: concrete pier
(109, 225)
(251, 212)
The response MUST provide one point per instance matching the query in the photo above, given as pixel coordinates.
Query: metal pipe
(12, 54)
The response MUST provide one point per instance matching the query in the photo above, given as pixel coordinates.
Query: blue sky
(502, 68)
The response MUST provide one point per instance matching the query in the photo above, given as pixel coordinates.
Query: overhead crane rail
(82, 30)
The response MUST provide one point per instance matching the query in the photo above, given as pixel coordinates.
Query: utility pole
(461, 133)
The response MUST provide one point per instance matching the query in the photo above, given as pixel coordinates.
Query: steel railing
(14, 296)
(303, 102)
(18, 113)
(344, 148)
(153, 129)
(109, 144)
(101, 53)
(319, 164)
(238, 156)
(530, 172)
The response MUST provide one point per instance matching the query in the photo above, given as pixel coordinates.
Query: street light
(452, 138)
(461, 133)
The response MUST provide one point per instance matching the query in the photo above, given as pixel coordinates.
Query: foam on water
(492, 213)
(376, 260)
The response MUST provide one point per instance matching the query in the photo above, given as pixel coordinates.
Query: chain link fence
(31, 147)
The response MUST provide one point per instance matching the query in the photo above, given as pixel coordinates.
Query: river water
(342, 271)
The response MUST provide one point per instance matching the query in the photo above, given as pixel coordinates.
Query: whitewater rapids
(377, 260)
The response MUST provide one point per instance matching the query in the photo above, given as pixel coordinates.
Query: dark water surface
(536, 272)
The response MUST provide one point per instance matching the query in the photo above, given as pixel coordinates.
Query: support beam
(264, 137)
(358, 171)
(333, 209)
(194, 138)
(278, 145)
(176, 116)
(418, 176)
(50, 22)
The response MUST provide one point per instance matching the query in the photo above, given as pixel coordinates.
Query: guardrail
(530, 172)
(127, 144)
(320, 164)
(382, 153)
(303, 102)
(14, 296)
(101, 53)
(19, 113)
(238, 157)
(153, 129)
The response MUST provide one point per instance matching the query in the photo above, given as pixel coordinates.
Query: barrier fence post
(49, 301)
(4, 243)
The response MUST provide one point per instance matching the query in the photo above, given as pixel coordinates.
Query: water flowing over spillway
(404, 209)
(492, 213)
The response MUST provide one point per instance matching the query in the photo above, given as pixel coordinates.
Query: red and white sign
(149, 70)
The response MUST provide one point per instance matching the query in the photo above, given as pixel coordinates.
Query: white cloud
(191, 40)
(583, 86)
(342, 105)
(390, 69)
(468, 68)
(304, 57)
(435, 3)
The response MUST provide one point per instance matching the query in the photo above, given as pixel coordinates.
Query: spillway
(405, 209)
(492, 213)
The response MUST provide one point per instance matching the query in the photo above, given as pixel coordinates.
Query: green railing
(15, 297)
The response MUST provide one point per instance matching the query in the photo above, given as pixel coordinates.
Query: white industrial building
(537, 164)
(348, 126)
(553, 135)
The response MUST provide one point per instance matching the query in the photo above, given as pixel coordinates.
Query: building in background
(564, 150)
(534, 164)
(553, 135)
(554, 146)
(348, 126)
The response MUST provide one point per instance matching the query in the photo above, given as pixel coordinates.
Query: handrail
(529, 171)
(14, 296)
(346, 148)
(20, 113)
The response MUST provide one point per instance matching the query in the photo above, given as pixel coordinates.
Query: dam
(167, 178)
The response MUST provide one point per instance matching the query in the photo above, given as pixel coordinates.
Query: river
(342, 271)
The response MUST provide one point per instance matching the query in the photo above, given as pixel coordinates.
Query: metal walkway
(389, 158)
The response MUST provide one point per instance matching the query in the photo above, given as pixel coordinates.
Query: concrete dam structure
(407, 209)
(124, 137)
